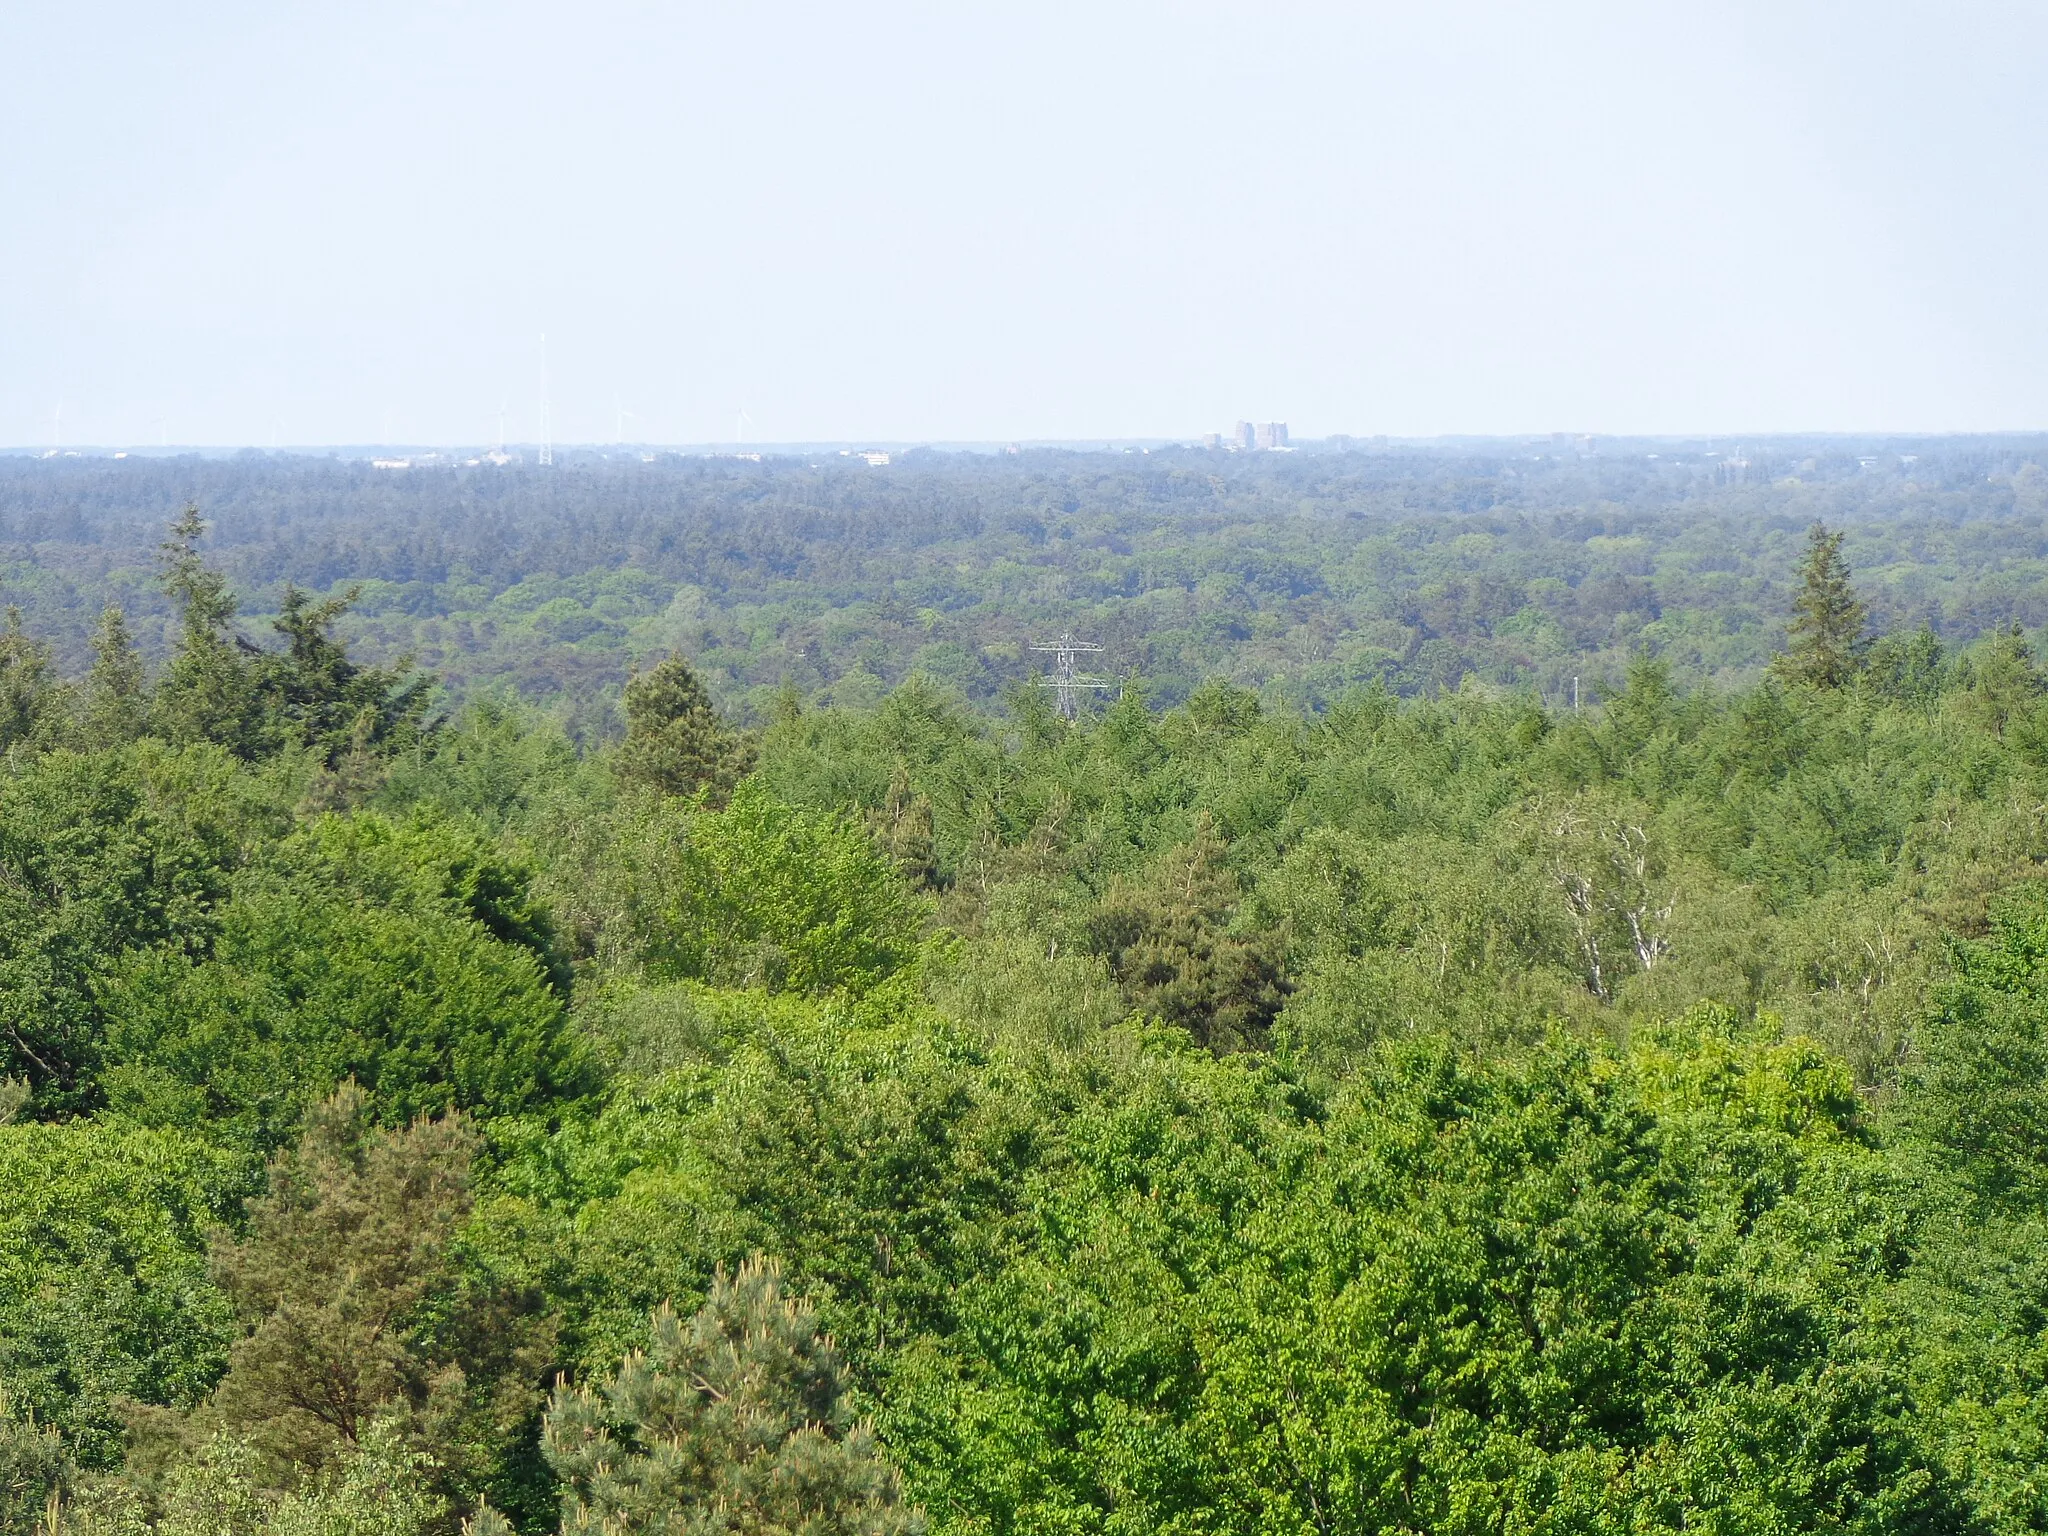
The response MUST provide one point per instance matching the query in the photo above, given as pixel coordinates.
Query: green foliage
(356, 1310)
(107, 856)
(404, 957)
(733, 1422)
(328, 703)
(1826, 632)
(30, 696)
(496, 763)
(116, 695)
(1169, 944)
(1471, 1297)
(674, 742)
(1304, 575)
(208, 689)
(35, 1471)
(1980, 1089)
(760, 894)
(2005, 684)
(220, 688)
(1452, 1114)
(902, 828)
(380, 1488)
(103, 1289)
(1907, 668)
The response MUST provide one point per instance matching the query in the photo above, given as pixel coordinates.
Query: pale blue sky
(241, 222)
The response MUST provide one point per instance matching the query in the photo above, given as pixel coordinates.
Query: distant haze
(248, 223)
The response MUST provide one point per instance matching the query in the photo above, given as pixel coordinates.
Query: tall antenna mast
(1066, 682)
(547, 438)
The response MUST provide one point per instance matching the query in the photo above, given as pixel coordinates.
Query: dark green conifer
(208, 689)
(351, 716)
(29, 692)
(1826, 632)
(1170, 944)
(116, 703)
(675, 743)
(902, 828)
(356, 1309)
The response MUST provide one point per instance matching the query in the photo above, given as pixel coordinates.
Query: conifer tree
(357, 1312)
(1826, 632)
(1170, 943)
(208, 689)
(675, 743)
(28, 690)
(35, 1471)
(116, 705)
(350, 715)
(2004, 676)
(902, 828)
(732, 1422)
(1908, 668)
(348, 1242)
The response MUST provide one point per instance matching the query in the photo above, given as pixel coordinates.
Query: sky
(305, 224)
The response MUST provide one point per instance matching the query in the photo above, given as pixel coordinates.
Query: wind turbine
(547, 438)
(740, 422)
(624, 415)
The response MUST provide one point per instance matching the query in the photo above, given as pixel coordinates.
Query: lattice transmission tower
(1066, 682)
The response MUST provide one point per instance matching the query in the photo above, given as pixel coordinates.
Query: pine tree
(675, 743)
(116, 705)
(1170, 944)
(1826, 632)
(358, 1312)
(735, 1421)
(35, 1471)
(349, 1241)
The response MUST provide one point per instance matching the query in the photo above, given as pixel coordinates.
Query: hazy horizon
(353, 227)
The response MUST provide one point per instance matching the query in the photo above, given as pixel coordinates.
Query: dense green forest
(1302, 576)
(1354, 1103)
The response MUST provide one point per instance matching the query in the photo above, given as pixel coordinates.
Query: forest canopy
(1421, 1108)
(1519, 563)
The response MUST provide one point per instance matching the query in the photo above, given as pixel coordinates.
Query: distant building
(1212, 439)
(1241, 439)
(1268, 434)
